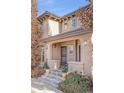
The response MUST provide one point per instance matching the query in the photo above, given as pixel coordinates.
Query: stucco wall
(53, 27)
(86, 50)
(85, 65)
(45, 29)
(56, 51)
(50, 28)
(75, 67)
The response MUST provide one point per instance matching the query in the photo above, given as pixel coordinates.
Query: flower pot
(47, 71)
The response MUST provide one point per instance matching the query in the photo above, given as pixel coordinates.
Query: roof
(71, 13)
(67, 34)
(50, 15)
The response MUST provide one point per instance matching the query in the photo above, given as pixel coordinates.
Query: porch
(65, 52)
(74, 50)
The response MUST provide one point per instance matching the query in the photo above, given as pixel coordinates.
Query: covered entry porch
(64, 52)
(72, 48)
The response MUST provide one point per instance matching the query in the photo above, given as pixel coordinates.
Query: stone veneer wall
(86, 16)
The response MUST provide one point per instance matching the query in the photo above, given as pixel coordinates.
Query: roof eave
(67, 34)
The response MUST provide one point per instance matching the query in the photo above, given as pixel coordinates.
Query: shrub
(65, 69)
(46, 66)
(75, 83)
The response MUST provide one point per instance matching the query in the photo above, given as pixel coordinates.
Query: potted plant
(47, 68)
(65, 71)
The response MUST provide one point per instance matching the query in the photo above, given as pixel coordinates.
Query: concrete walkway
(45, 90)
(42, 87)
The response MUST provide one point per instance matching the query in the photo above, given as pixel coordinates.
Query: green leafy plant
(65, 69)
(46, 66)
(75, 83)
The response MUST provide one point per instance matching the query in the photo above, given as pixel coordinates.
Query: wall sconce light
(85, 43)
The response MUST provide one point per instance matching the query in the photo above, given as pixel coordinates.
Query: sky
(59, 7)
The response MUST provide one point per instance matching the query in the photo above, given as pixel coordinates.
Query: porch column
(83, 54)
(49, 53)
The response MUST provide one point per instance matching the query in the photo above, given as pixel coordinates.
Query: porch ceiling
(67, 34)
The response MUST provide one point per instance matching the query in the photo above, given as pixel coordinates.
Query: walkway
(47, 84)
(43, 88)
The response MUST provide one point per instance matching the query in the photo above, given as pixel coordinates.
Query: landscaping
(76, 83)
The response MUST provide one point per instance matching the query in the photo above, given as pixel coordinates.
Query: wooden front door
(63, 55)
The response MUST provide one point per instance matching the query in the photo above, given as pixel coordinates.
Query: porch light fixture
(85, 43)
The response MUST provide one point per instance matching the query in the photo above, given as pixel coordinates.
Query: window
(42, 55)
(78, 50)
(74, 22)
(71, 50)
(70, 53)
(65, 26)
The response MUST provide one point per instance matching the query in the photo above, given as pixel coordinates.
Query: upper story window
(65, 25)
(74, 22)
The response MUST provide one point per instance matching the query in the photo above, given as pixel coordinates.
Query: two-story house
(65, 41)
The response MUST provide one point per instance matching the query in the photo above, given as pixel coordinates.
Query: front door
(63, 55)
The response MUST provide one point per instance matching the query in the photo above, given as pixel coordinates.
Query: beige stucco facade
(70, 35)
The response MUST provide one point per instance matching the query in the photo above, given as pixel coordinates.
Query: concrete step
(55, 76)
(52, 83)
(48, 82)
(57, 73)
(53, 79)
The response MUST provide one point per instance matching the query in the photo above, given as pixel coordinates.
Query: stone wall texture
(86, 16)
(36, 69)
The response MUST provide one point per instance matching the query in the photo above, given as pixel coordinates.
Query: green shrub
(46, 66)
(65, 69)
(75, 83)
